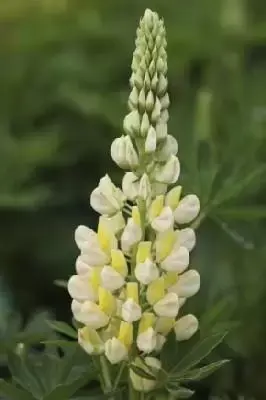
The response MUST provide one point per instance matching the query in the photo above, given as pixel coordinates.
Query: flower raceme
(132, 275)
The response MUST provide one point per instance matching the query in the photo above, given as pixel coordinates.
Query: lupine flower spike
(132, 274)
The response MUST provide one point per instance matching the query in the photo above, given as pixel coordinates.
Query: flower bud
(155, 115)
(187, 209)
(149, 101)
(118, 152)
(169, 172)
(186, 327)
(144, 187)
(133, 97)
(162, 85)
(142, 100)
(145, 125)
(130, 153)
(131, 235)
(165, 102)
(130, 185)
(160, 341)
(161, 130)
(150, 143)
(132, 123)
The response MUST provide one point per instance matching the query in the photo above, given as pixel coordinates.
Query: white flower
(130, 185)
(146, 341)
(187, 209)
(80, 288)
(186, 327)
(111, 280)
(168, 306)
(169, 172)
(115, 223)
(131, 154)
(144, 187)
(82, 267)
(141, 384)
(89, 314)
(170, 147)
(90, 341)
(150, 143)
(107, 198)
(177, 261)
(131, 235)
(160, 341)
(118, 152)
(187, 238)
(87, 242)
(131, 311)
(115, 351)
(187, 285)
(146, 272)
(164, 221)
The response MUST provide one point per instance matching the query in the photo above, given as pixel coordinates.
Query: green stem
(107, 383)
(119, 374)
(133, 394)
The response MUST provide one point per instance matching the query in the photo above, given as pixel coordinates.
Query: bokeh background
(64, 74)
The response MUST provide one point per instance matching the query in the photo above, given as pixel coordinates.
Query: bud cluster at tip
(132, 274)
(146, 146)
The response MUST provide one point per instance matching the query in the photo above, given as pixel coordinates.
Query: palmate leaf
(63, 328)
(48, 376)
(178, 392)
(11, 392)
(201, 350)
(198, 374)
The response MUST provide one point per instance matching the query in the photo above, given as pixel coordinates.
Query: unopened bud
(150, 143)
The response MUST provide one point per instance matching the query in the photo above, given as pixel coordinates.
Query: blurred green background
(64, 76)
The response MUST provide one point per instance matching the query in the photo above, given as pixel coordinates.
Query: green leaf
(64, 328)
(199, 352)
(13, 393)
(144, 374)
(65, 391)
(244, 213)
(198, 374)
(179, 392)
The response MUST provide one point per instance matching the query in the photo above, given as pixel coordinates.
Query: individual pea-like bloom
(107, 198)
(132, 274)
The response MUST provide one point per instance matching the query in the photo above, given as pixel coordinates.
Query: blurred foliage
(64, 82)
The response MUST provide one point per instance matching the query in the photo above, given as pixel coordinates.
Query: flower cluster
(132, 275)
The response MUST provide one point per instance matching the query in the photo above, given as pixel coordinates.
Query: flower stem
(107, 383)
(133, 394)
